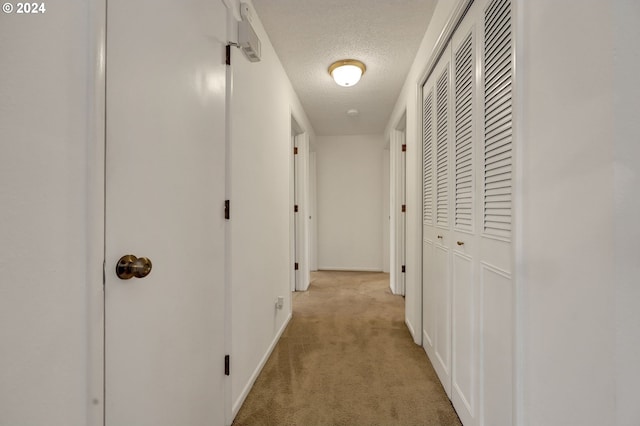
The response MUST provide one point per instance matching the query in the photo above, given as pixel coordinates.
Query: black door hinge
(227, 209)
(295, 150)
(295, 208)
(227, 362)
(295, 266)
(228, 55)
(404, 208)
(404, 147)
(404, 269)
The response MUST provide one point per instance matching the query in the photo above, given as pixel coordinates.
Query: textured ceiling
(308, 35)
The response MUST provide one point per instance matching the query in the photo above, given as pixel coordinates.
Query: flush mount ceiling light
(347, 72)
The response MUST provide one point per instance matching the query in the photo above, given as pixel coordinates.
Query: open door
(164, 197)
(301, 211)
(398, 210)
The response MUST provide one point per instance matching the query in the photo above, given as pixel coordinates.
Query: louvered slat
(442, 149)
(464, 135)
(427, 162)
(498, 122)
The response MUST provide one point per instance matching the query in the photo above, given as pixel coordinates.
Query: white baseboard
(411, 330)
(256, 372)
(354, 269)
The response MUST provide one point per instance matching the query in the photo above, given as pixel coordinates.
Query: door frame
(398, 197)
(299, 195)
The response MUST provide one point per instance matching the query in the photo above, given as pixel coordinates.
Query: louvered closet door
(467, 222)
(436, 220)
(429, 302)
(495, 221)
(465, 240)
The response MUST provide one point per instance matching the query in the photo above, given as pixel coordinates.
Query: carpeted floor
(347, 358)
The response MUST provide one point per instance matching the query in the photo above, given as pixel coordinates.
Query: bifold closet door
(467, 143)
(495, 211)
(436, 219)
(464, 244)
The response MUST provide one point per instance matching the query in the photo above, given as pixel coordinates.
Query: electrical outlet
(279, 302)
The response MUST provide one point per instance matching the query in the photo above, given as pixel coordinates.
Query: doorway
(301, 208)
(398, 209)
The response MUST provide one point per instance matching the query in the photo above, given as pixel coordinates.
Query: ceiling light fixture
(347, 72)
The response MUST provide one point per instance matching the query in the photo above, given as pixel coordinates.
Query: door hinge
(227, 209)
(295, 266)
(295, 150)
(228, 55)
(227, 365)
(404, 147)
(404, 269)
(404, 208)
(295, 208)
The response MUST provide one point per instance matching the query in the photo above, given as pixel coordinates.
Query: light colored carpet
(347, 358)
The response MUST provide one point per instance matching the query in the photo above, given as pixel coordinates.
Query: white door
(301, 210)
(402, 246)
(464, 242)
(436, 220)
(165, 171)
(398, 208)
(495, 210)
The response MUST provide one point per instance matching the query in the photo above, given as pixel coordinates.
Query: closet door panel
(495, 221)
(464, 352)
(437, 220)
(442, 362)
(497, 323)
(429, 301)
(465, 361)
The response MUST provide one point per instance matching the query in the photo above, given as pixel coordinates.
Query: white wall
(408, 100)
(48, 265)
(626, 66)
(579, 212)
(262, 104)
(349, 179)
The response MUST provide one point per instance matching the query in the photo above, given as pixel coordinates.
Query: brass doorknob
(130, 266)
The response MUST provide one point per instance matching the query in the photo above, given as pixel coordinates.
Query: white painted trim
(292, 200)
(302, 200)
(393, 243)
(350, 269)
(398, 223)
(407, 321)
(247, 388)
(228, 240)
(95, 211)
(518, 255)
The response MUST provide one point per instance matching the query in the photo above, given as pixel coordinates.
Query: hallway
(347, 358)
(488, 161)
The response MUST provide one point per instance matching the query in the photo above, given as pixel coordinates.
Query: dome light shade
(347, 72)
